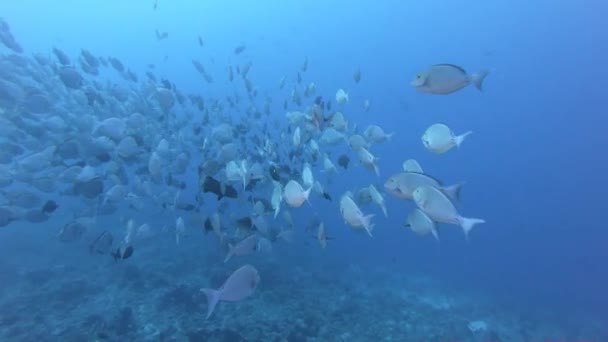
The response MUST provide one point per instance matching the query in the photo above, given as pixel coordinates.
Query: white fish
(376, 135)
(180, 229)
(377, 198)
(341, 96)
(368, 160)
(294, 195)
(439, 208)
(439, 138)
(113, 128)
(331, 136)
(155, 166)
(353, 216)
(307, 177)
(296, 137)
(402, 185)
(277, 198)
(217, 226)
(421, 224)
(356, 142)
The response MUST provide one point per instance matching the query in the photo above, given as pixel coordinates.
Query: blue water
(534, 168)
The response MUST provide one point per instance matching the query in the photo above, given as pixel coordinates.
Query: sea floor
(161, 301)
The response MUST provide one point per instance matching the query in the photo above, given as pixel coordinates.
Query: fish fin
(460, 138)
(213, 297)
(369, 227)
(478, 78)
(467, 224)
(453, 191)
(230, 253)
(435, 234)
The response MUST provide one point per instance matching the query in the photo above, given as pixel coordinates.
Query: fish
(246, 246)
(221, 190)
(102, 244)
(444, 79)
(72, 231)
(200, 41)
(439, 208)
(421, 224)
(402, 185)
(241, 284)
(239, 49)
(124, 253)
(294, 195)
(353, 216)
(357, 75)
(343, 161)
(439, 138)
(411, 165)
(49, 207)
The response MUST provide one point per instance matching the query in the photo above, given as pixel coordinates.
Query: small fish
(343, 161)
(200, 41)
(123, 254)
(239, 49)
(49, 207)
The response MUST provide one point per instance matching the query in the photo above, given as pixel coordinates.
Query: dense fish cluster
(74, 138)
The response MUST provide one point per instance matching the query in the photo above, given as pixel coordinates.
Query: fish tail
(384, 211)
(213, 297)
(453, 191)
(478, 78)
(367, 224)
(467, 224)
(230, 253)
(460, 138)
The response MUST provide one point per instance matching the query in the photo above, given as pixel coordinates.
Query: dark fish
(89, 189)
(61, 56)
(123, 254)
(185, 206)
(161, 35)
(212, 185)
(70, 77)
(244, 223)
(102, 244)
(343, 161)
(326, 196)
(116, 64)
(357, 75)
(200, 41)
(89, 58)
(126, 254)
(239, 49)
(155, 4)
(6, 37)
(104, 157)
(49, 207)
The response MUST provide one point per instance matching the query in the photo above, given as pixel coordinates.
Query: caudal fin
(460, 138)
(467, 224)
(478, 78)
(213, 297)
(453, 191)
(230, 253)
(367, 224)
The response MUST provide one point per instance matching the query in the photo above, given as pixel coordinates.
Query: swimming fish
(239, 285)
(443, 79)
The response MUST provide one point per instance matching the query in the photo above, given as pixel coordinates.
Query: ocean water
(534, 169)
